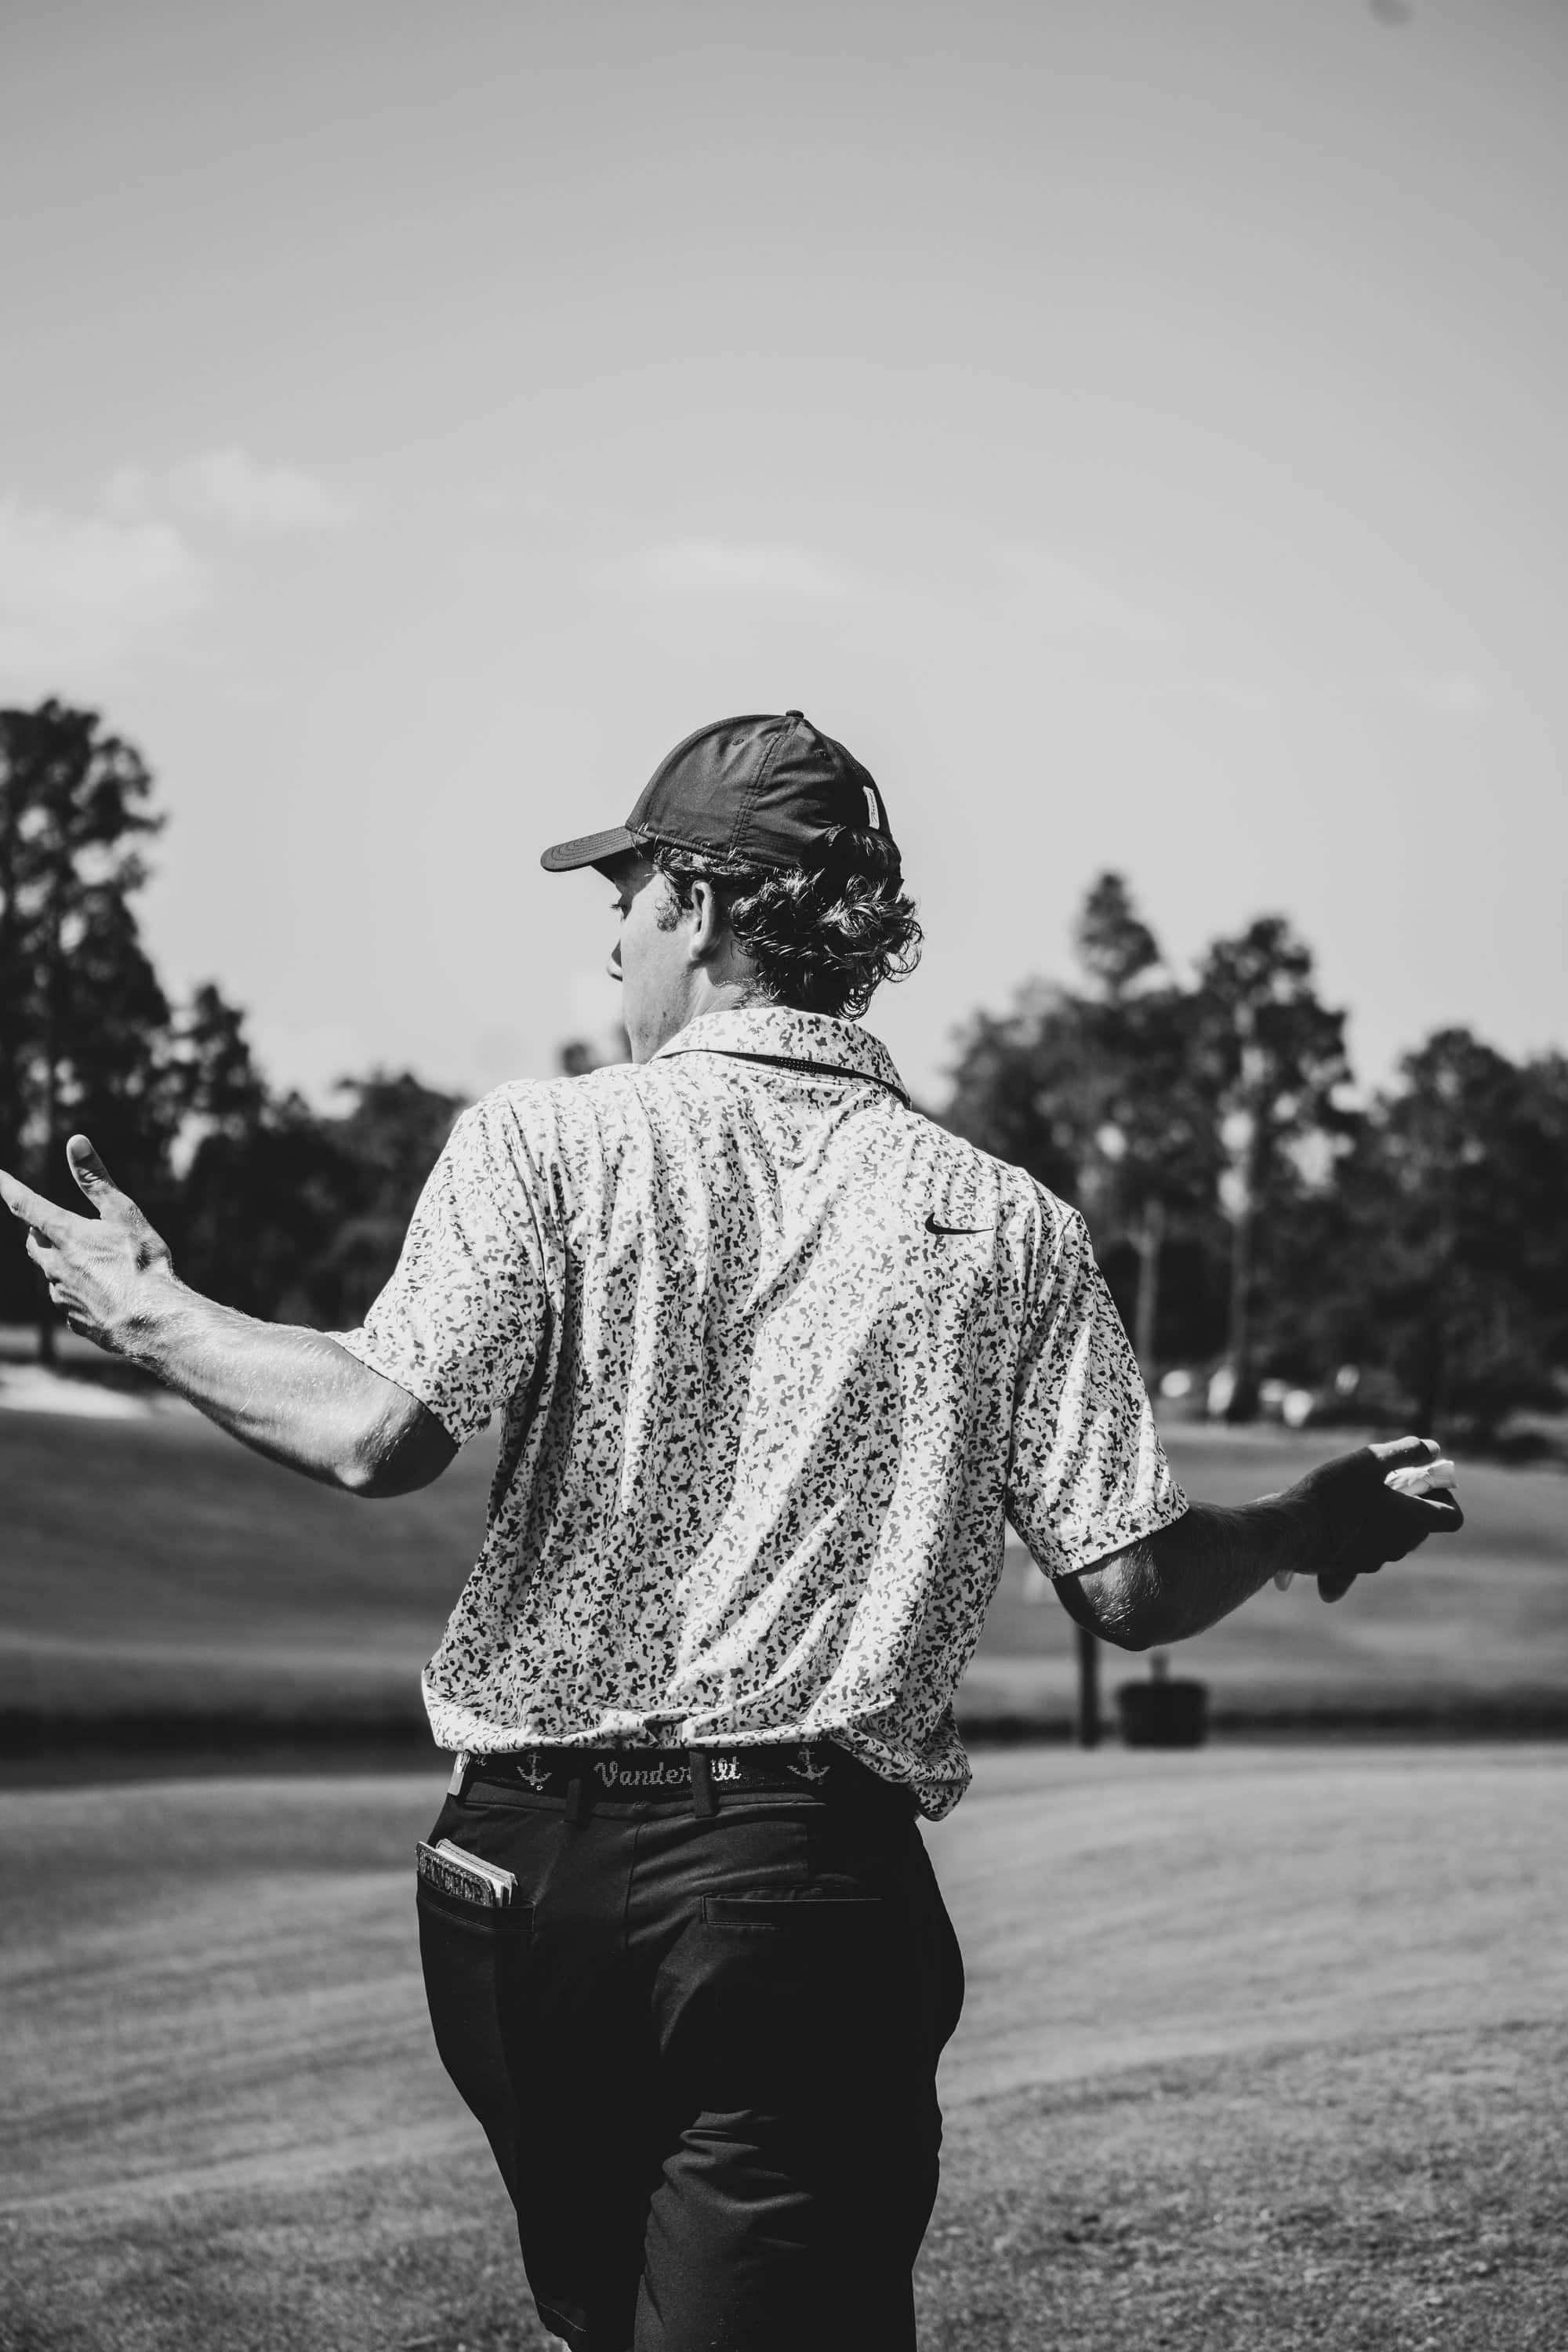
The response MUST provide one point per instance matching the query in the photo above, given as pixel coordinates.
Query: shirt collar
(775, 1033)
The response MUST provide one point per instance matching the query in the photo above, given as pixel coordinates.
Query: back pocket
(793, 2013)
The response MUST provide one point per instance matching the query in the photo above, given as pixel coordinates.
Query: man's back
(767, 1340)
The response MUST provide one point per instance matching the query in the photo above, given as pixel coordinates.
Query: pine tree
(84, 1040)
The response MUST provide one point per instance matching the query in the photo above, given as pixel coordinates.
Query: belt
(706, 1774)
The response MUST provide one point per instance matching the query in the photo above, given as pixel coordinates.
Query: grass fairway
(1264, 2048)
(1472, 1629)
(157, 1572)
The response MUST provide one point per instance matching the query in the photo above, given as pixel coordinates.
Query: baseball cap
(762, 791)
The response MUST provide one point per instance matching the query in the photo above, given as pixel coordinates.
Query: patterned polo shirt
(778, 1359)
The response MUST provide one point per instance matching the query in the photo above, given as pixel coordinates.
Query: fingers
(1425, 1482)
(1380, 1504)
(92, 1177)
(1335, 1582)
(1400, 1452)
(1397, 1538)
(1423, 1514)
(42, 1216)
(34, 1210)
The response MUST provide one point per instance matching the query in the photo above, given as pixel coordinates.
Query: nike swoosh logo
(933, 1226)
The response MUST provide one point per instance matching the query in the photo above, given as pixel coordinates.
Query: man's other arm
(292, 1394)
(1342, 1521)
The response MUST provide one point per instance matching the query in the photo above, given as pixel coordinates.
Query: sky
(1134, 427)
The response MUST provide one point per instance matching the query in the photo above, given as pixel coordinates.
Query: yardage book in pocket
(457, 1871)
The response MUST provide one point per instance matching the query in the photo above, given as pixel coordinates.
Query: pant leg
(539, 2023)
(801, 2009)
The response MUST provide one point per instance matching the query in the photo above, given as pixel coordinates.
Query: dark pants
(703, 2051)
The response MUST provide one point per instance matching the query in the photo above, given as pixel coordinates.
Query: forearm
(290, 1393)
(1347, 1517)
(1189, 1575)
(294, 1395)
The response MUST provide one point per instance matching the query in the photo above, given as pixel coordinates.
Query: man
(778, 1359)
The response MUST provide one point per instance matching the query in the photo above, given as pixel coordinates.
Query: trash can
(1162, 1712)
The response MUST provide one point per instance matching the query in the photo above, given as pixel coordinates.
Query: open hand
(1367, 1512)
(97, 1267)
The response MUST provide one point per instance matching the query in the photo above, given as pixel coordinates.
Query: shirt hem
(1081, 1560)
(363, 1353)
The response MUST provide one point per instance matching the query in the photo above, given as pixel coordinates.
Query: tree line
(269, 1204)
(1401, 1256)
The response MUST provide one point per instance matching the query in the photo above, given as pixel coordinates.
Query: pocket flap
(788, 1912)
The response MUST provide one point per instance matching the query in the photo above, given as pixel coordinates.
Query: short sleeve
(461, 1321)
(1087, 1474)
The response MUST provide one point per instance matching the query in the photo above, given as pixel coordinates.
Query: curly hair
(821, 937)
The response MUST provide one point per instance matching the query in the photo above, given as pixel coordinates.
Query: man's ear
(709, 931)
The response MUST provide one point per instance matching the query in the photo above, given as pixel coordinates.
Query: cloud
(1450, 694)
(82, 596)
(231, 490)
(691, 568)
(1063, 598)
(85, 599)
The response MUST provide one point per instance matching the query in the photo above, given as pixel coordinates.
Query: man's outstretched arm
(1340, 1521)
(292, 1394)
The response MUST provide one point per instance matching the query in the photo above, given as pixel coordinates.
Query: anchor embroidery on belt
(533, 1775)
(806, 1769)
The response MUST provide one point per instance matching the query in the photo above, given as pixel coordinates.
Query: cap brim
(590, 849)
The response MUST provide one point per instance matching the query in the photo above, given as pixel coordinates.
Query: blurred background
(1135, 430)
